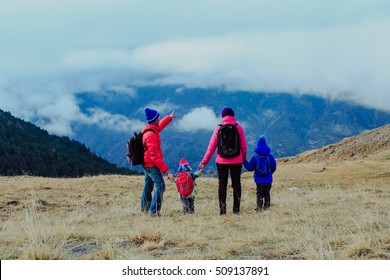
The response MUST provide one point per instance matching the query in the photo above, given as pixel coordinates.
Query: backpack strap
(187, 175)
(266, 161)
(260, 156)
(181, 185)
(143, 133)
(228, 123)
(146, 130)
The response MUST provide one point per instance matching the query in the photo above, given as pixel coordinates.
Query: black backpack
(263, 165)
(136, 148)
(228, 141)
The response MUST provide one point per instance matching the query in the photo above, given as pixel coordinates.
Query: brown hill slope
(99, 218)
(332, 209)
(371, 144)
(361, 159)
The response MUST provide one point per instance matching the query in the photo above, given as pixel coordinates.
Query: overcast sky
(49, 49)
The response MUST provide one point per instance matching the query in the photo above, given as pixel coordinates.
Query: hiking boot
(259, 209)
(154, 215)
(222, 211)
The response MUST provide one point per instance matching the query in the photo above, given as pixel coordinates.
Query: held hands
(199, 171)
(170, 176)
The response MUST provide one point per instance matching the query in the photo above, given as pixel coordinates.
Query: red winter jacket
(153, 156)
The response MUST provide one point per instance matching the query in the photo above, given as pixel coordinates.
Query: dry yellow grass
(337, 211)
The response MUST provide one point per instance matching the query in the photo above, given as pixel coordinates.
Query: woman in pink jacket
(225, 164)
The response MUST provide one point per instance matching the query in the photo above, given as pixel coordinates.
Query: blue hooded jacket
(264, 150)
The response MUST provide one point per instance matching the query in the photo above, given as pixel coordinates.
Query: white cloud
(113, 122)
(202, 118)
(162, 107)
(129, 91)
(352, 60)
(55, 126)
(51, 50)
(54, 108)
(269, 114)
(44, 102)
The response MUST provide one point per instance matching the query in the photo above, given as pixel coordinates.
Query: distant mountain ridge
(292, 123)
(361, 146)
(26, 149)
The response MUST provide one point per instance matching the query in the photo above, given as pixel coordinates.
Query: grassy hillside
(319, 210)
(366, 145)
(316, 213)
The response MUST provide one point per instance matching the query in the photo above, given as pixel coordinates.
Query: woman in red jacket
(226, 165)
(154, 164)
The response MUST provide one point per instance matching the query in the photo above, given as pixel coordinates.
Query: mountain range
(26, 149)
(292, 123)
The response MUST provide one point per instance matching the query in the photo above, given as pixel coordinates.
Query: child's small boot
(260, 203)
(191, 205)
(267, 202)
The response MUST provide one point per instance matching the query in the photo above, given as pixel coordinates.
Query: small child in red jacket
(185, 184)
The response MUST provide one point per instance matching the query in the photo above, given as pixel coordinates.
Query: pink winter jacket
(213, 144)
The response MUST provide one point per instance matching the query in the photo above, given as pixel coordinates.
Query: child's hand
(171, 177)
(198, 173)
(201, 168)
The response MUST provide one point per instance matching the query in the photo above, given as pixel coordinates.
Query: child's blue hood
(262, 147)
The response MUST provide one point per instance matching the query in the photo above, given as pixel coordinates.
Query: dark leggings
(263, 195)
(223, 175)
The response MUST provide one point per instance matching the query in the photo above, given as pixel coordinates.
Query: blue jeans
(153, 177)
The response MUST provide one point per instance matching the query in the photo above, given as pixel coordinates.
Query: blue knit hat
(151, 115)
(227, 112)
(262, 141)
(262, 147)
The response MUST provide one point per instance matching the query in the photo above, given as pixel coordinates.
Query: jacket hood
(262, 147)
(155, 127)
(183, 161)
(229, 119)
(184, 165)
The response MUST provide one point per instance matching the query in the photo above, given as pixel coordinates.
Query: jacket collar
(229, 119)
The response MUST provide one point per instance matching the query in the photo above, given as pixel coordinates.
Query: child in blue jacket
(264, 165)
